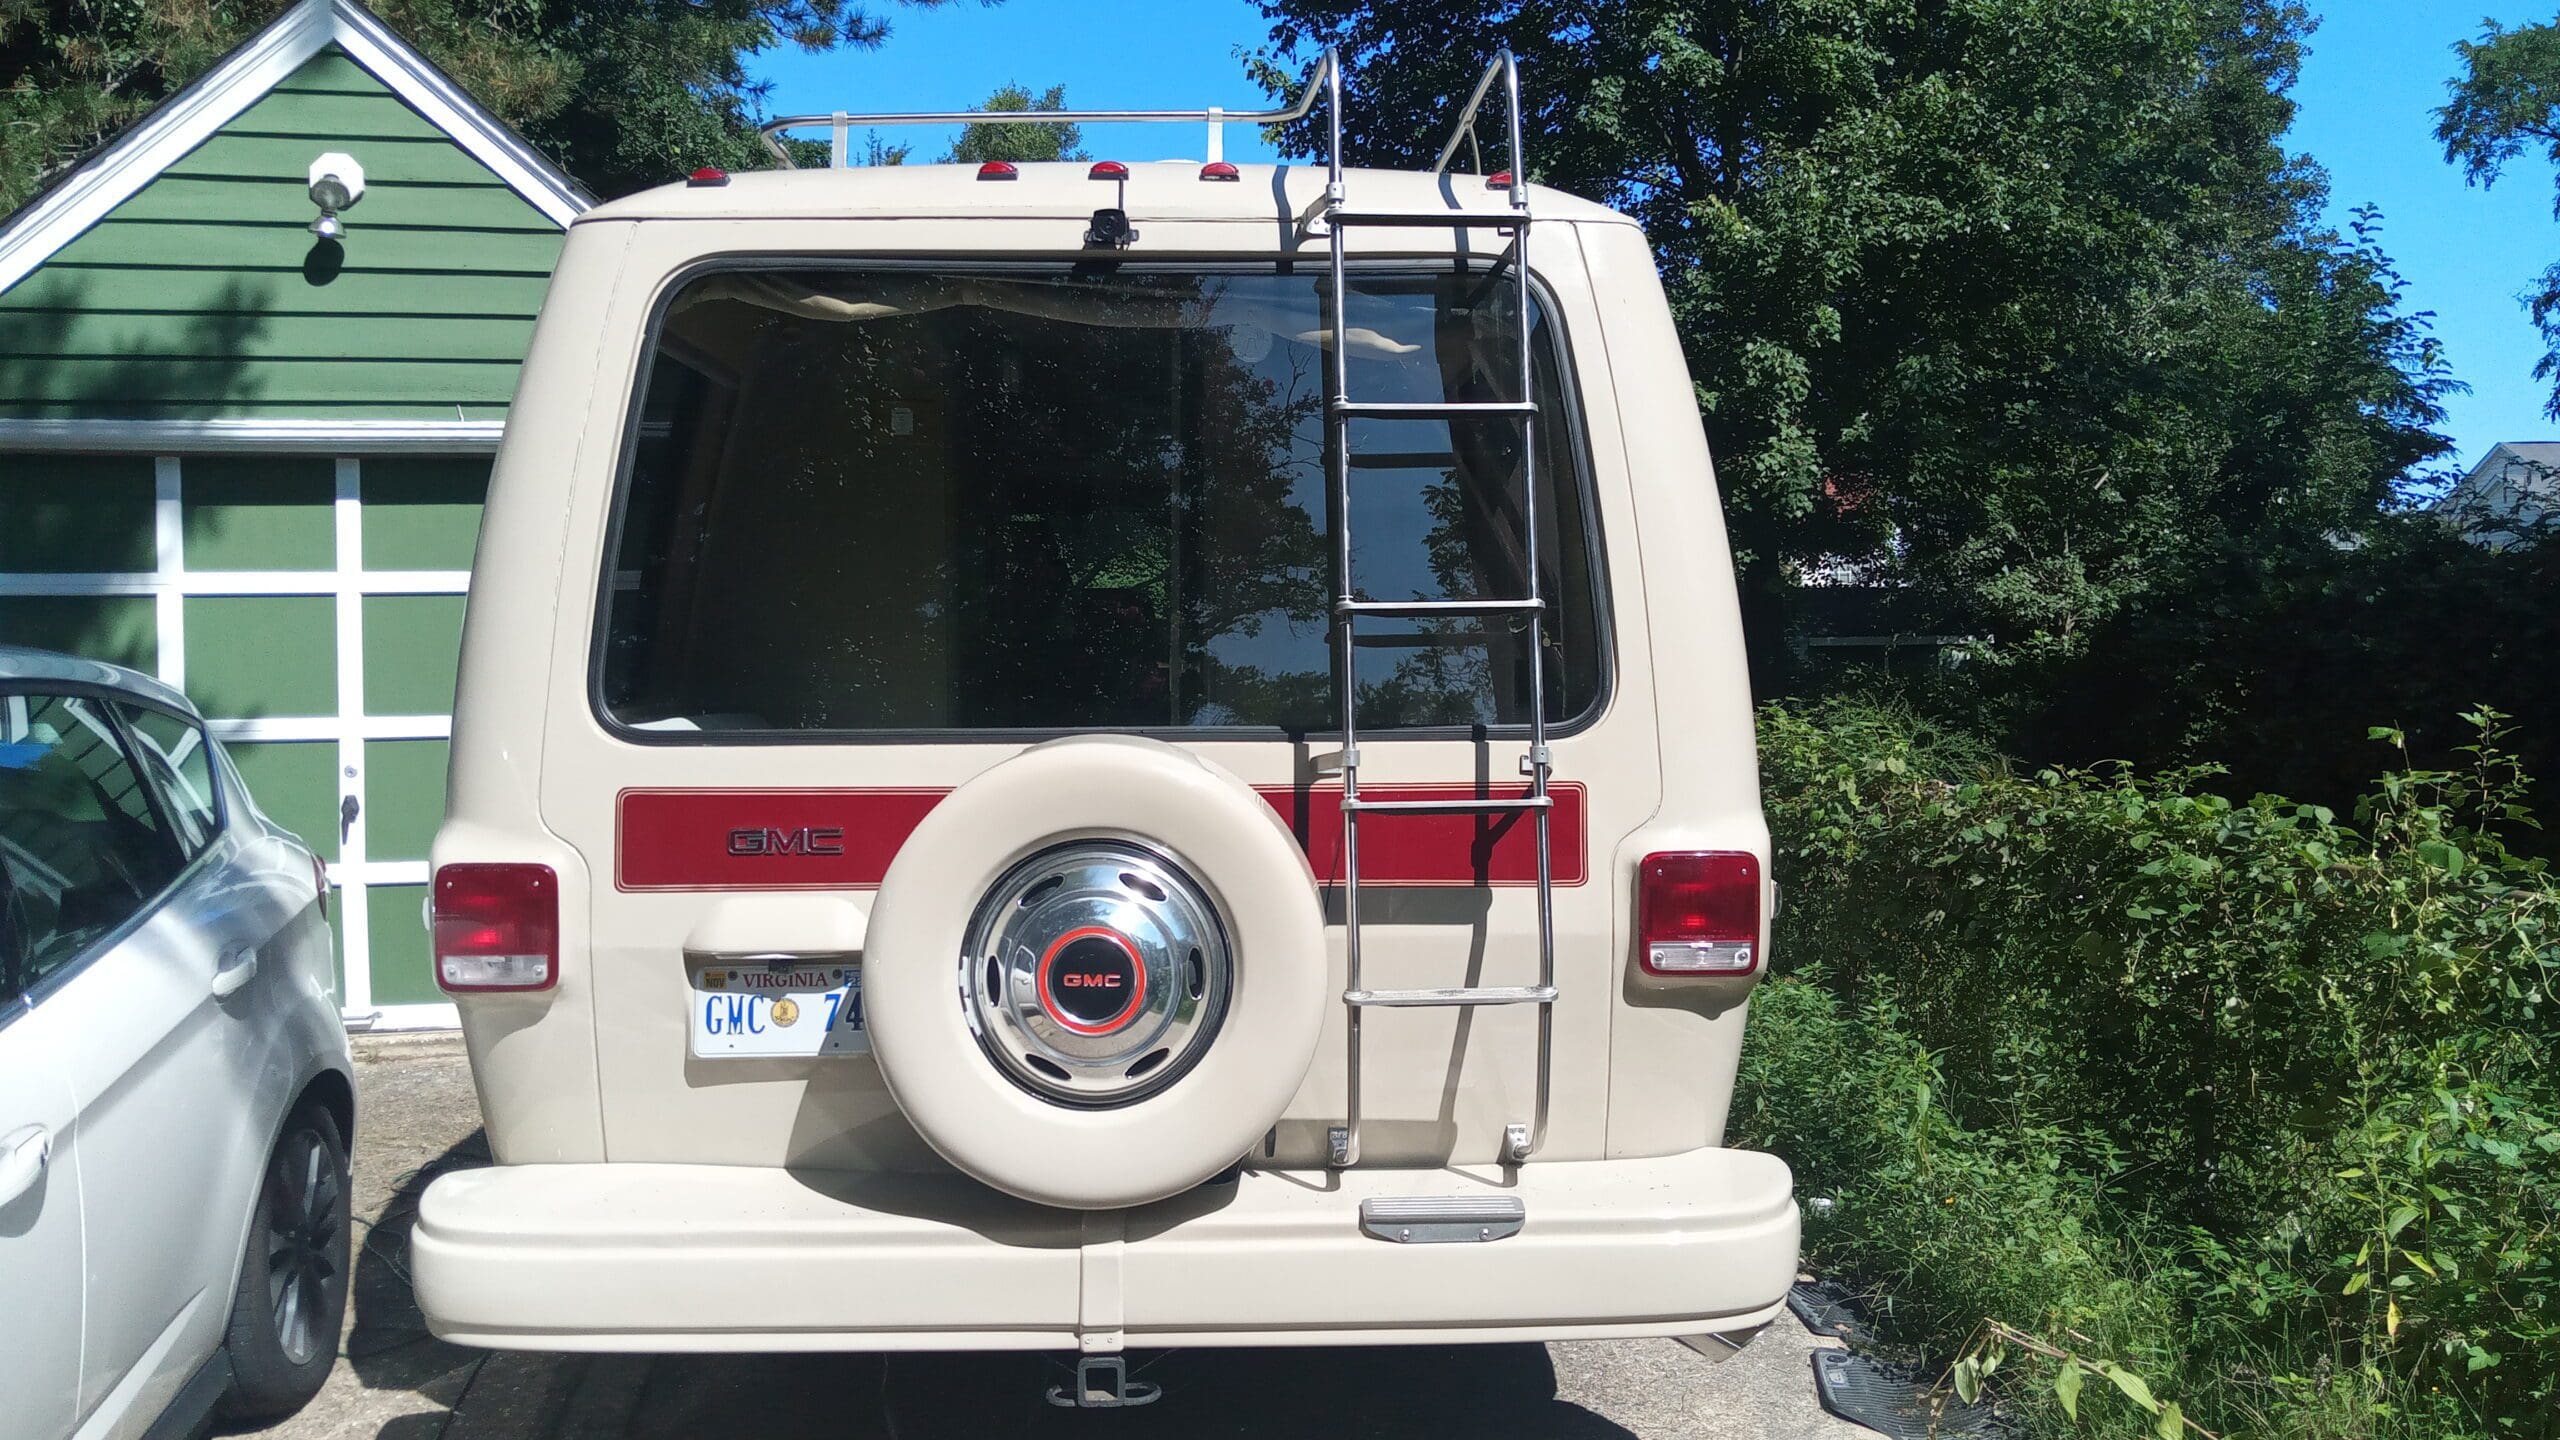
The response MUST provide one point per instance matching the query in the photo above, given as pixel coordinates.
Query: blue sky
(2376, 70)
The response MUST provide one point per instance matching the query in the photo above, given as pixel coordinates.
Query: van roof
(1159, 190)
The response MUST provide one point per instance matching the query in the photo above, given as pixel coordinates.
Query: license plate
(754, 1011)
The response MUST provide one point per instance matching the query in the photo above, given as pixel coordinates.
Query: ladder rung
(1429, 409)
(1453, 995)
(1427, 219)
(1490, 806)
(1415, 609)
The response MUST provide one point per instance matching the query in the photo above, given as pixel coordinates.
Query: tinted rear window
(900, 501)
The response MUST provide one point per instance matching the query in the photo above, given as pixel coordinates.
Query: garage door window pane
(119, 629)
(404, 797)
(295, 783)
(76, 514)
(396, 932)
(422, 514)
(412, 646)
(254, 513)
(250, 656)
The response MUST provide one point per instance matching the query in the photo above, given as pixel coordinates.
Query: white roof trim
(190, 117)
(190, 437)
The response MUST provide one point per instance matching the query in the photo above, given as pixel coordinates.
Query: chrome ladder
(1520, 1139)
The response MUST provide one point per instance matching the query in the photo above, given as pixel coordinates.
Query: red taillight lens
(1220, 170)
(1498, 180)
(708, 175)
(1107, 170)
(1698, 912)
(997, 170)
(497, 927)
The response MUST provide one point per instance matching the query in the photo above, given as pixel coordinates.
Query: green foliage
(2501, 105)
(1019, 143)
(623, 96)
(2021, 302)
(2242, 1100)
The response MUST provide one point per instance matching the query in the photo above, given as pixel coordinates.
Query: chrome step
(1490, 805)
(1430, 219)
(1452, 995)
(1443, 1219)
(1422, 609)
(1428, 409)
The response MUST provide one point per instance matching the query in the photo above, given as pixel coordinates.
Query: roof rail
(841, 123)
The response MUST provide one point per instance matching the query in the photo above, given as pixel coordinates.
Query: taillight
(1107, 170)
(497, 927)
(1498, 180)
(1698, 912)
(997, 170)
(1220, 170)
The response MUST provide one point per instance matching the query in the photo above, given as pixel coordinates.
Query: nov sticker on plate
(748, 1010)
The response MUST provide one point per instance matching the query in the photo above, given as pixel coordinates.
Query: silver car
(176, 1098)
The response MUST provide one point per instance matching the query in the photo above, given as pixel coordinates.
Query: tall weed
(2241, 1097)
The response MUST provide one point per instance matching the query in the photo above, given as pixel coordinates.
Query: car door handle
(238, 966)
(23, 1154)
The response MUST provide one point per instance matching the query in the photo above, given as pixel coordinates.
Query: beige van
(1065, 757)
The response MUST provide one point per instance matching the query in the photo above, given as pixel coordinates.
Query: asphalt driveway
(396, 1382)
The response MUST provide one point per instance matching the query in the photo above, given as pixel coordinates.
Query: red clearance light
(1107, 170)
(708, 175)
(497, 927)
(1498, 180)
(1698, 912)
(997, 170)
(1220, 170)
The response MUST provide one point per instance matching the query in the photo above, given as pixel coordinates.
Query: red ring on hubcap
(1137, 982)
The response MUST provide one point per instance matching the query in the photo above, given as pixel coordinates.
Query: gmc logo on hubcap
(1090, 981)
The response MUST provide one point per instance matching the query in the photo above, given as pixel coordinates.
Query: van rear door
(875, 525)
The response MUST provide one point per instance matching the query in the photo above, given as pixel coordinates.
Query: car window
(179, 759)
(878, 501)
(84, 847)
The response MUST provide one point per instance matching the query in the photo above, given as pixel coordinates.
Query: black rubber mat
(1864, 1391)
(1826, 1308)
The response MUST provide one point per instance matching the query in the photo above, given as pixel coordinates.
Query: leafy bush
(2241, 1098)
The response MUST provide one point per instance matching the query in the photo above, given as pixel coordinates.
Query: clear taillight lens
(1698, 912)
(497, 927)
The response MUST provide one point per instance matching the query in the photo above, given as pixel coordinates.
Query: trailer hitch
(1103, 1383)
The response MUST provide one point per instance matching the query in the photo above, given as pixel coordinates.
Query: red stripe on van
(845, 839)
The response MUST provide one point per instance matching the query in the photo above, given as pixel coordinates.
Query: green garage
(249, 458)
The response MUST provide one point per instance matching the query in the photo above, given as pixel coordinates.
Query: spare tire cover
(935, 1051)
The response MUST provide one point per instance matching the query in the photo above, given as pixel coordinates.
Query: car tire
(294, 1273)
(1228, 841)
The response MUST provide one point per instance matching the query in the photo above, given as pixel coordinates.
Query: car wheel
(293, 1279)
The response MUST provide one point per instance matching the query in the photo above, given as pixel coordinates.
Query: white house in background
(2514, 489)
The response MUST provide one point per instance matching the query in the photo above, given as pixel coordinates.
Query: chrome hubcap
(302, 1266)
(1096, 972)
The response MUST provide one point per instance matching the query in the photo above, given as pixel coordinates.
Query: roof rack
(1324, 81)
(842, 123)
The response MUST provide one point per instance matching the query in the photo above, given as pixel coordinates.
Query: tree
(2504, 102)
(1020, 142)
(2017, 303)
(621, 95)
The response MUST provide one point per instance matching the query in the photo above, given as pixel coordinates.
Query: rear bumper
(684, 1257)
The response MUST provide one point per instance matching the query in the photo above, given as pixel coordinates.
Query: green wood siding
(205, 294)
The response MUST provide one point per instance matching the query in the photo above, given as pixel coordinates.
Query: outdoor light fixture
(337, 183)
